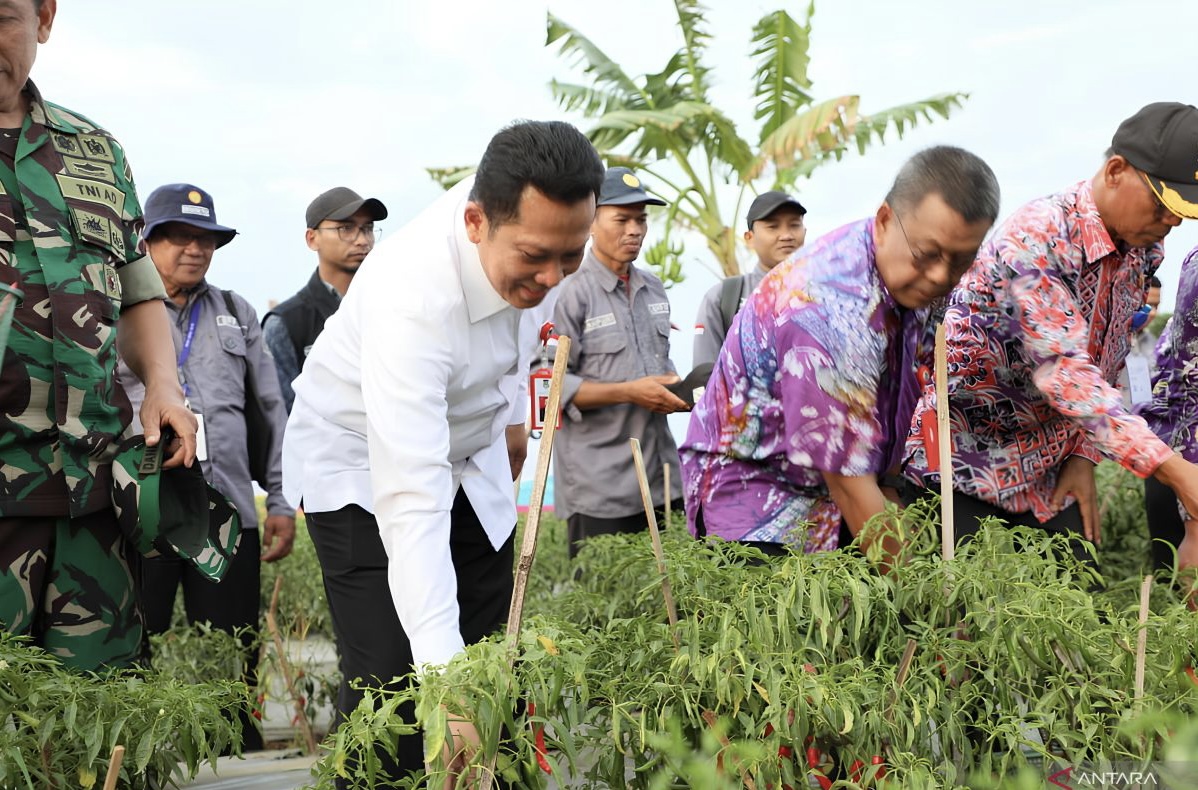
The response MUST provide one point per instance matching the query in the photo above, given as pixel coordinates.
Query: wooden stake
(947, 533)
(272, 625)
(746, 780)
(1142, 639)
(665, 476)
(114, 767)
(655, 536)
(532, 524)
(904, 666)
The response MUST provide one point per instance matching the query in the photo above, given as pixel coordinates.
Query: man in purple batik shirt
(1172, 414)
(813, 390)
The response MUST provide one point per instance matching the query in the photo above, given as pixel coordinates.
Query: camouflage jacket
(70, 239)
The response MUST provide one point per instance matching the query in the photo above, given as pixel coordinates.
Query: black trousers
(580, 526)
(233, 603)
(969, 513)
(1164, 523)
(370, 640)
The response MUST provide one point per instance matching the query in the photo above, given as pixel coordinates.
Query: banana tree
(665, 125)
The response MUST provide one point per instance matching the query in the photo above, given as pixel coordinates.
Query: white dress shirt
(404, 398)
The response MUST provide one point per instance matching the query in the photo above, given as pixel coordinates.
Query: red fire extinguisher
(539, 380)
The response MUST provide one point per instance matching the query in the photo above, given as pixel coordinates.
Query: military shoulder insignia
(97, 147)
(65, 143)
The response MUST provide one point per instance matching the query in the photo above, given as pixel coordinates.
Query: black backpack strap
(257, 424)
(229, 303)
(730, 299)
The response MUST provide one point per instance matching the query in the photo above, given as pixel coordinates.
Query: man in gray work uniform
(776, 230)
(618, 318)
(219, 347)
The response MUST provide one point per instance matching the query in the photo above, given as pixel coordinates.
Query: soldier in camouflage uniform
(69, 240)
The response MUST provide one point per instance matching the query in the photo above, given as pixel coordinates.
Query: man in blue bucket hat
(232, 387)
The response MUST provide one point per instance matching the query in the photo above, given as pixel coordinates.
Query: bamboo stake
(272, 625)
(746, 780)
(947, 533)
(114, 767)
(655, 535)
(665, 474)
(1142, 639)
(904, 666)
(532, 524)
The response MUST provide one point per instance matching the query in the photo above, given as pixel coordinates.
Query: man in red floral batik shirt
(1038, 331)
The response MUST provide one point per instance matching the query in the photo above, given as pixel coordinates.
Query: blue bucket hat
(188, 204)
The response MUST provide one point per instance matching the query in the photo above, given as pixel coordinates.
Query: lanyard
(192, 322)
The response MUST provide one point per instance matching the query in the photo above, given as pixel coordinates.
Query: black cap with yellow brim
(173, 511)
(1161, 141)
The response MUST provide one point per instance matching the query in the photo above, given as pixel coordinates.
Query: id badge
(1139, 379)
(201, 438)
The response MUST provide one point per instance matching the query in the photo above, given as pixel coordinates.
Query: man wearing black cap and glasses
(223, 368)
(616, 384)
(776, 229)
(341, 231)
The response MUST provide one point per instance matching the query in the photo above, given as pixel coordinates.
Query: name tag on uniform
(599, 321)
(659, 308)
(201, 438)
(1139, 379)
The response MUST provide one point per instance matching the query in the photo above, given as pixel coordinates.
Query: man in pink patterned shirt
(1039, 329)
(802, 423)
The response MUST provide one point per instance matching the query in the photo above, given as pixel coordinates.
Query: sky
(266, 104)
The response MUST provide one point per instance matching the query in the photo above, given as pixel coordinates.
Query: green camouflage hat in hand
(172, 511)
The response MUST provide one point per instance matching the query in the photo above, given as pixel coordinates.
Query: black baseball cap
(1161, 141)
(341, 203)
(621, 187)
(768, 202)
(184, 203)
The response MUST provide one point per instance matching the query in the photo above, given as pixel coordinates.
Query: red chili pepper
(538, 737)
(257, 714)
(881, 763)
(785, 752)
(855, 771)
(813, 761)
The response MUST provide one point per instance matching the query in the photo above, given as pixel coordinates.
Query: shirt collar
(41, 112)
(608, 279)
(329, 287)
(1096, 240)
(482, 300)
(870, 253)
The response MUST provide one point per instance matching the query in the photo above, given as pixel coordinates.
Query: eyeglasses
(957, 265)
(183, 236)
(1162, 212)
(349, 233)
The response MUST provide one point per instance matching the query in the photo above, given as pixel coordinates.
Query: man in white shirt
(396, 442)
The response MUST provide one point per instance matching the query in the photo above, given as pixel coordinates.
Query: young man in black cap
(219, 348)
(618, 317)
(341, 232)
(776, 230)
